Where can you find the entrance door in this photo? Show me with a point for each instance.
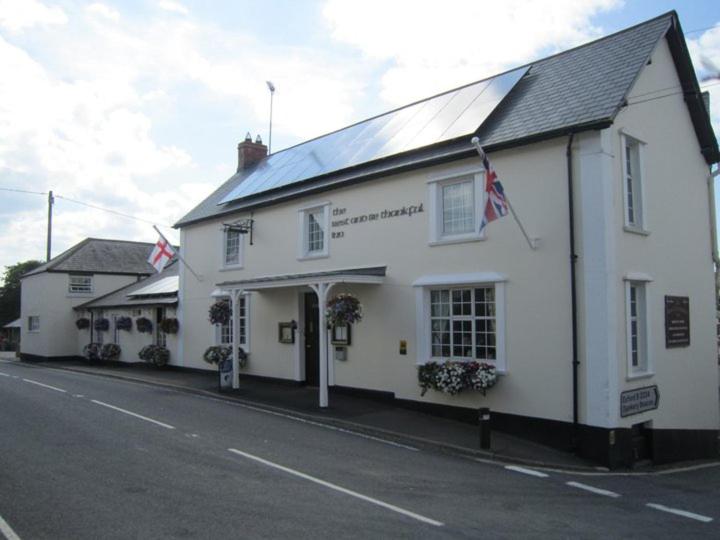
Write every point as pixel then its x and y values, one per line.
pixel 312 340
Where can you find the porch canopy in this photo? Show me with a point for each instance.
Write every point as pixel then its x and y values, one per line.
pixel 321 283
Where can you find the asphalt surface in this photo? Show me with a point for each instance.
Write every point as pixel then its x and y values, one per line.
pixel 83 456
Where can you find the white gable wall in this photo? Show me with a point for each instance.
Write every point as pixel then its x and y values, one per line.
pixel 676 254
pixel 46 295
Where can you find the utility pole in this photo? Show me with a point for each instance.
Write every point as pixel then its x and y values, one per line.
pixel 51 201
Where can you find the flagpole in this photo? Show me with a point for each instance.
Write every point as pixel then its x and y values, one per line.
pixel 531 242
pixel 177 254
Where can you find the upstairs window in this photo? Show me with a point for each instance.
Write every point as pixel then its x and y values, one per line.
pixel 232 247
pixel 456 201
pixel 80 284
pixel 633 183
pixel 314 227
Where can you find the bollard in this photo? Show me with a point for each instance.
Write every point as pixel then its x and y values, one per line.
pixel 484 424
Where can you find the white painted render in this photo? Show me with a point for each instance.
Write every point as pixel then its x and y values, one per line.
pixel 130 341
pixel 538 346
pixel 46 295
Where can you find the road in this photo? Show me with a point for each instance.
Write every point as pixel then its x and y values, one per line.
pixel 83 456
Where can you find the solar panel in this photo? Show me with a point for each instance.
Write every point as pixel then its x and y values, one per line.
pixel 437 119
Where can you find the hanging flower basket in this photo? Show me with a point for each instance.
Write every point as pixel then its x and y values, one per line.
pixel 220 353
pixel 110 352
pixel 83 323
pixel 343 309
pixel 144 325
pixel 155 354
pixel 123 323
pixel 101 324
pixel 219 312
pixel 92 351
pixel 170 325
pixel 452 377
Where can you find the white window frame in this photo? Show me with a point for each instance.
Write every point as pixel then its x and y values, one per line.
pixel 639 223
pixel 644 366
pixel 224 264
pixel 34 329
pixel 423 288
pixel 436 182
pixel 303 223
pixel 245 344
pixel 80 290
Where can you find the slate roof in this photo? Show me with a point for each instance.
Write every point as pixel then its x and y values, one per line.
pixel 98 256
pixel 579 89
pixel 122 297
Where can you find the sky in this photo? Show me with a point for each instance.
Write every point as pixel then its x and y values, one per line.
pixel 137 107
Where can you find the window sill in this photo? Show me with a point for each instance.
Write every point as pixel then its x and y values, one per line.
pixel 457 240
pixel 230 268
pixel 312 256
pixel 80 295
pixel 640 375
pixel 636 230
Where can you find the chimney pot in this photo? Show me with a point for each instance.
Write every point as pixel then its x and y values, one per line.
pixel 250 153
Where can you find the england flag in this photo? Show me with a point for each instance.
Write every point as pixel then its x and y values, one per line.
pixel 161 254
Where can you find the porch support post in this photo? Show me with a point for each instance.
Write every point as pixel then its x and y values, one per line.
pixel 322 290
pixel 235 321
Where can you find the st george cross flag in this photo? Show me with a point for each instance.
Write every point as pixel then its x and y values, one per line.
pixel 496 206
pixel 161 254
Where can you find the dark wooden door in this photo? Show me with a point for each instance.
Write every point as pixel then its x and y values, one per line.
pixel 312 340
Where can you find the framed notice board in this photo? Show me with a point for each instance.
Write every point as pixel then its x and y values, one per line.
pixel 677 321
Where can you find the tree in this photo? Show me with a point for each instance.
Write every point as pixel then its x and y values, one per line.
pixel 10 291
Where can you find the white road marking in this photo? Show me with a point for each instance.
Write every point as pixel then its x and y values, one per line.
pixel 523 470
pixel 678 512
pixel 45 385
pixel 4 374
pixel 340 489
pixel 7 530
pixel 592 489
pixel 141 417
pixel 78 395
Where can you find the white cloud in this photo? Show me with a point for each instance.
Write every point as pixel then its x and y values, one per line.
pixel 173 7
pixel 103 10
pixel 18 15
pixel 434 46
pixel 707 47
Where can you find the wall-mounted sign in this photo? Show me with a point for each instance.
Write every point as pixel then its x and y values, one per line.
pixel 677 321
pixel 639 400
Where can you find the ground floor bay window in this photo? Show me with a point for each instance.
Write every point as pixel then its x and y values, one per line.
pixel 461 317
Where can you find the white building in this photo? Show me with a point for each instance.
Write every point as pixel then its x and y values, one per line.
pixel 154 298
pixel 604 152
pixel 88 270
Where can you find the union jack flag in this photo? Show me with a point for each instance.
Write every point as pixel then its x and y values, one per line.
pixel 496 205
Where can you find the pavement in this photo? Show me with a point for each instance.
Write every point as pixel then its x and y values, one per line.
pixel 370 416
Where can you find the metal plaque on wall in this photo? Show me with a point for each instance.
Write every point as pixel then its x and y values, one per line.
pixel 639 400
pixel 677 321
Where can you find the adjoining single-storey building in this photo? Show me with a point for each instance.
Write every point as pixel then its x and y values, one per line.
pixel 88 270
pixel 603 332
pixel 10 336
pixel 154 299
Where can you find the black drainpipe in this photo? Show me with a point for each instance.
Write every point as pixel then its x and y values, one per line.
pixel 573 293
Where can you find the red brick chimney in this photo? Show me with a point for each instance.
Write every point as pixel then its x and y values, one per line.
pixel 249 152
